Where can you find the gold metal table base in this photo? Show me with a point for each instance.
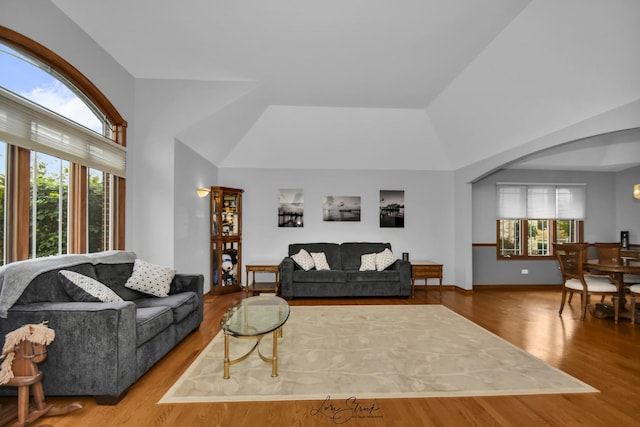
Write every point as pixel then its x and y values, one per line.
pixel 273 359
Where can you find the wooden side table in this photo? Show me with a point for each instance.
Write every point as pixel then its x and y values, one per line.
pixel 425 270
pixel 255 287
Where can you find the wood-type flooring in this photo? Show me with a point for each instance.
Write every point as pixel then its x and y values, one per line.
pixel 596 351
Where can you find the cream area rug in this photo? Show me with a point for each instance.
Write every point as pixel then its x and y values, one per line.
pixel 392 351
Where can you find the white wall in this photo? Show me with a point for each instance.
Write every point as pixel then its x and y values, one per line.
pixel 628 208
pixel 191 213
pixel 429 223
pixel 164 110
pixel 600 224
pixel 557 63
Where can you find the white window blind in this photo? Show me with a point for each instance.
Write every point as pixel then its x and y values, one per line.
pixel 512 201
pixel 33 127
pixel 541 201
pixel 571 202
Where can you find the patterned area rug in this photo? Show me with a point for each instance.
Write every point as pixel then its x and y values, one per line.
pixel 390 351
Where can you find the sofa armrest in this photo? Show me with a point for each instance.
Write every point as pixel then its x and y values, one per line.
pixel 94 350
pixel 286 277
pixel 187 282
pixel 193 283
pixel 404 270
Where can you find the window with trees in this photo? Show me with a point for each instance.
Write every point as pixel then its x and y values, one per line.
pixel 532 217
pixel 62 157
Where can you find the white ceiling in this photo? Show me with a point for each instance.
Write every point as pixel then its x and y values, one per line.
pixel 612 152
pixel 371 84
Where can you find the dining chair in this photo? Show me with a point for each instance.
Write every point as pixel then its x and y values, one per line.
pixel 634 291
pixel 608 252
pixel 631 279
pixel 571 257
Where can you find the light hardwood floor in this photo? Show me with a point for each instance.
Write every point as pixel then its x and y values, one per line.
pixel 598 352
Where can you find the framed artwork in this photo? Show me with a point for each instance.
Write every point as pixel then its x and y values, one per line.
pixel 341 208
pixel 290 207
pixel 392 208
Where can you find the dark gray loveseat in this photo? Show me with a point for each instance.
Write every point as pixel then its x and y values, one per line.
pixel 344 279
pixel 100 348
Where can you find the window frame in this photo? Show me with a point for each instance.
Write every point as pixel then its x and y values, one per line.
pixel 524 238
pixel 18 165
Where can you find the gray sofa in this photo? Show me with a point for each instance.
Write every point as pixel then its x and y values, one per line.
pixel 100 348
pixel 344 279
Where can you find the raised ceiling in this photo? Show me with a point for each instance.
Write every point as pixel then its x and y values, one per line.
pixel 378 84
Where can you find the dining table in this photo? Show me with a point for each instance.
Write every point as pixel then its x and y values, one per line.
pixel 616 269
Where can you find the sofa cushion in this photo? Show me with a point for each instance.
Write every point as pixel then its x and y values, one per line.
pixel 373 276
pixel 320 276
pixel 150 321
pixel 181 304
pixel 46 287
pixel 150 278
pixel 115 276
pixel 324 290
pixel 331 252
pixel 320 261
pixel 82 288
pixel 352 251
pixel 304 260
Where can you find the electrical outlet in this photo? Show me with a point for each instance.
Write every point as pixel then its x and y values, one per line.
pixel 524 271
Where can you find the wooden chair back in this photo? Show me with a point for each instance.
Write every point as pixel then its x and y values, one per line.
pixel 630 253
pixel 570 256
pixel 608 252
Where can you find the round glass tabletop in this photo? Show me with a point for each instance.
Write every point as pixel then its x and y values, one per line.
pixel 255 316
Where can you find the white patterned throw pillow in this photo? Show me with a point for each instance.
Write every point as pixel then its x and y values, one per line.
pixel 304 260
pixel 367 262
pixel 320 261
pixel 82 288
pixel 384 259
pixel 150 278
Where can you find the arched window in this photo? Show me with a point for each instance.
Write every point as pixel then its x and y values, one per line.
pixel 62 156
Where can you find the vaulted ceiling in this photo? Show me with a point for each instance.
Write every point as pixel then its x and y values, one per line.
pixel 378 84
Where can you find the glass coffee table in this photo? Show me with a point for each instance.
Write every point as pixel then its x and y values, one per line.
pixel 255 318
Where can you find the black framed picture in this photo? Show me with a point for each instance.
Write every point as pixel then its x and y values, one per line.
pixel 392 208
pixel 291 207
pixel 341 208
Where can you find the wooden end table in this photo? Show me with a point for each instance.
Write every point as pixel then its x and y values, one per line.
pixel 425 270
pixel 253 286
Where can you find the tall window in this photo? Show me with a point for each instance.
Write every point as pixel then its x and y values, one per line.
pixel 49 213
pixel 532 217
pixel 3 175
pixel 99 220
pixel 62 157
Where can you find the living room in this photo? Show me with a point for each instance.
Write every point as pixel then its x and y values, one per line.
pixel 169 159
pixel 512 95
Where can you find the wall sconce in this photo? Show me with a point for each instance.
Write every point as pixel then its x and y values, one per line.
pixel 636 191
pixel 203 192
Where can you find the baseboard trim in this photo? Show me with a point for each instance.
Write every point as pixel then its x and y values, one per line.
pixel 492 287
pixel 517 287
